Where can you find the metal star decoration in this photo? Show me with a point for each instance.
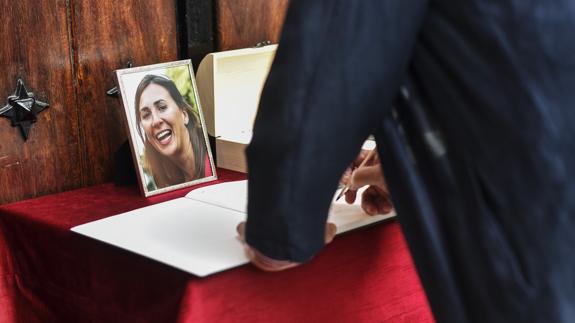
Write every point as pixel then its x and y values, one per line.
pixel 22 109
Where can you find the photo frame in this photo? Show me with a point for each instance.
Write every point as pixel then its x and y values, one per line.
pixel 166 126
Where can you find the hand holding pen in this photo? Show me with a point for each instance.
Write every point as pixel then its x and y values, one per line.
pixel 351 171
pixel 376 198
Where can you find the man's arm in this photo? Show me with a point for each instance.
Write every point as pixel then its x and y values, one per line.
pixel 337 69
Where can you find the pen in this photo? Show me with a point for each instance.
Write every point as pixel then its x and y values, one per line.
pixel 365 160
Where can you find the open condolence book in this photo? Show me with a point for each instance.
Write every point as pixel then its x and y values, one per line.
pixel 197 233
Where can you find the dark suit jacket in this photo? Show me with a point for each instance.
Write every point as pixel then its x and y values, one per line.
pixel 472 103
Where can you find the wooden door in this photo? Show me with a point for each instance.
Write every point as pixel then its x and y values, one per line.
pixel 66 52
pixel 36 49
pixel 108 34
pixel 243 23
pixel 219 25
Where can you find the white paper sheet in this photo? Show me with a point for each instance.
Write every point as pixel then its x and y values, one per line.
pixel 197 233
pixel 231 195
pixel 193 236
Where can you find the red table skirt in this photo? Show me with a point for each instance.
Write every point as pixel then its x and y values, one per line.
pixel 50 274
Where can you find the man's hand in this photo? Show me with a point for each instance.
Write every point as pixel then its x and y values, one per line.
pixel 268 264
pixel 376 198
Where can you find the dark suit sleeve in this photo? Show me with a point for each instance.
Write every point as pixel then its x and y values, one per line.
pixel 338 66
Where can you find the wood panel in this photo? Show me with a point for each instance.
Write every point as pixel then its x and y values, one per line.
pixel 243 23
pixel 35 48
pixel 108 34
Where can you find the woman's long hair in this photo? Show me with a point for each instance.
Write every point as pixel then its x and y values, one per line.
pixel 161 168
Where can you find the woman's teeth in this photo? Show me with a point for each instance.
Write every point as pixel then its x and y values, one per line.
pixel 163 134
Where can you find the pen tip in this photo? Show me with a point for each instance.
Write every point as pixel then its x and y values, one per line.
pixel 341 193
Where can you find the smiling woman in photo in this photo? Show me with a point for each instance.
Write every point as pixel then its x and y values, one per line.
pixel 174 146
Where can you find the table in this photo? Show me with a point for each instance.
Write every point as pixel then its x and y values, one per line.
pixel 50 274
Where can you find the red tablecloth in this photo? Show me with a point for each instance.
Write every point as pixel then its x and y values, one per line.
pixel 50 274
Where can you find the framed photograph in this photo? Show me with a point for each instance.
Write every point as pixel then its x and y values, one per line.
pixel 166 126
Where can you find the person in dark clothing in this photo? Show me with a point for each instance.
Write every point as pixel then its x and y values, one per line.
pixel 472 106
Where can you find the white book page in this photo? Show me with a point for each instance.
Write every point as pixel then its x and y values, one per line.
pixel 348 217
pixel 195 237
pixel 197 233
pixel 230 195
pixel 233 195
